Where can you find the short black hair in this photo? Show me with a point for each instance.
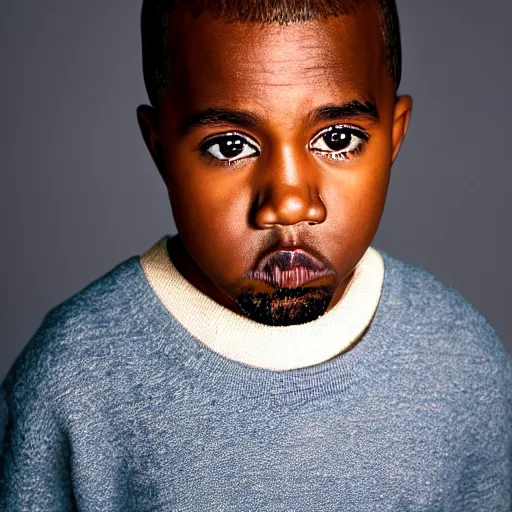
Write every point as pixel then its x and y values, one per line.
pixel 155 28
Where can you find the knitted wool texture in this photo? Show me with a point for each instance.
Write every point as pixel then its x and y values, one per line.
pixel 114 406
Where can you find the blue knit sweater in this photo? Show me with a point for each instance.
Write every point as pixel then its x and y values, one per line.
pixel 113 406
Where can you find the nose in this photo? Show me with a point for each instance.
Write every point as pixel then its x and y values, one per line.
pixel 288 192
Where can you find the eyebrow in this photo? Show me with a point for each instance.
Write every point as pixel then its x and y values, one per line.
pixel 218 116
pixel 351 109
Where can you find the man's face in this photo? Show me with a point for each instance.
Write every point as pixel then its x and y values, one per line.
pixel 275 143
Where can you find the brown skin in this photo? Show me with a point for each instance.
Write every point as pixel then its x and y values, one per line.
pixel 289 196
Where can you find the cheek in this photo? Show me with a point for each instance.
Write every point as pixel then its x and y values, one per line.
pixel 356 196
pixel 209 203
pixel 371 180
pixel 211 211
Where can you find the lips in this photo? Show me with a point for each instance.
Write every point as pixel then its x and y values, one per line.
pixel 289 269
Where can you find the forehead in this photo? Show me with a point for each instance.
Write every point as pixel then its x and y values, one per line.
pixel 216 61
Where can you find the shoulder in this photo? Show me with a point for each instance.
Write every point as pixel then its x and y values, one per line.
pixel 436 315
pixel 85 326
pixel 414 287
pixel 443 355
pixel 443 346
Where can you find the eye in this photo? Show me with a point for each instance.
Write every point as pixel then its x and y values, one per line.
pixel 339 142
pixel 229 147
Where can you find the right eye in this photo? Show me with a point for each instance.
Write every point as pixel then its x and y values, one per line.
pixel 229 147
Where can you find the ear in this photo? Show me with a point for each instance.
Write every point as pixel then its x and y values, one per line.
pixel 401 120
pixel 148 123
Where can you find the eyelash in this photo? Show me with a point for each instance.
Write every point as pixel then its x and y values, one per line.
pixel 340 155
pixel 209 142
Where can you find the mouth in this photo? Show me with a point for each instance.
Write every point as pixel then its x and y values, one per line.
pixel 289 269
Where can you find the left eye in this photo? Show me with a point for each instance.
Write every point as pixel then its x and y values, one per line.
pixel 230 147
pixel 339 141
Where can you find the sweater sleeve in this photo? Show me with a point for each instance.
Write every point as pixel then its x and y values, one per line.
pixel 34 452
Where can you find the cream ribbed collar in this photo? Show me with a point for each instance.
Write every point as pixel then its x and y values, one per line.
pixel 274 348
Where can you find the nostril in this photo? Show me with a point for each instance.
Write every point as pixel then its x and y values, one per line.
pixel 312 223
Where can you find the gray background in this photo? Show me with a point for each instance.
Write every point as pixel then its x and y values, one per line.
pixel 79 193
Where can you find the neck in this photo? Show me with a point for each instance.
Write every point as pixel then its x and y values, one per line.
pixel 276 348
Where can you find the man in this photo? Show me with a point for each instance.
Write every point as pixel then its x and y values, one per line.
pixel 266 357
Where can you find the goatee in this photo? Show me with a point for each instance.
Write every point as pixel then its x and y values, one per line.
pixel 285 306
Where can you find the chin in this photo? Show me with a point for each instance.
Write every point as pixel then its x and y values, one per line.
pixel 285 306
